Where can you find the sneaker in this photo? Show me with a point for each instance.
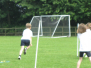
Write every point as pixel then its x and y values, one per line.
pixel 19 58
pixel 25 50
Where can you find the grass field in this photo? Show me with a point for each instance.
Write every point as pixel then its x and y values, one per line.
pixel 52 53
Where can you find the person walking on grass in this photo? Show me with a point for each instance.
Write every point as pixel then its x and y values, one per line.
pixel 26 39
pixel 85 39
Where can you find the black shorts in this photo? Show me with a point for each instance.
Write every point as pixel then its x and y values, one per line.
pixel 25 42
pixel 88 54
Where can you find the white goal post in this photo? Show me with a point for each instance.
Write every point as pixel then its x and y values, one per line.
pixel 78 44
pixel 51 25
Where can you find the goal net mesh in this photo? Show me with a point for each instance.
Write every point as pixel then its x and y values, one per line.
pixel 51 25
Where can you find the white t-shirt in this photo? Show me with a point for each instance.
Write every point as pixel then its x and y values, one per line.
pixel 89 31
pixel 27 33
pixel 85 40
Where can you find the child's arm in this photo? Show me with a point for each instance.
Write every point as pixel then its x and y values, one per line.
pixel 31 41
pixel 77 30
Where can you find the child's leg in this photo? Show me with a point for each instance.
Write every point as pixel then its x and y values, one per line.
pixel 25 49
pixel 22 48
pixel 28 47
pixel 89 59
pixel 79 62
pixel 89 55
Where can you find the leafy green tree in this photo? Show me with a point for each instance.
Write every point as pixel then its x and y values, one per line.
pixel 10 13
pixel 18 12
pixel 79 10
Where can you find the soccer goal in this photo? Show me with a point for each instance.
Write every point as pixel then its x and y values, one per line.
pixel 51 25
pixel 54 26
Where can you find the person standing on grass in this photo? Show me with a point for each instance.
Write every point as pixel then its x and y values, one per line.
pixel 85 39
pixel 88 29
pixel 26 39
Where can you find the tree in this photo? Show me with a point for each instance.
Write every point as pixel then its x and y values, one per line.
pixel 78 9
pixel 10 13
pixel 18 12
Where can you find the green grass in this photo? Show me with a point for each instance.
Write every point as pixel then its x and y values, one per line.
pixel 52 53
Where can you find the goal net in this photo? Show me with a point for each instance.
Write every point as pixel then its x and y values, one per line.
pixel 51 25
pixel 54 26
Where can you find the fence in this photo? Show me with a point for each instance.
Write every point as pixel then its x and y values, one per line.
pixel 18 31
pixel 11 31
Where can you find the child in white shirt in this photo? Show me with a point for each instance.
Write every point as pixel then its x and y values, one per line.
pixel 26 39
pixel 84 43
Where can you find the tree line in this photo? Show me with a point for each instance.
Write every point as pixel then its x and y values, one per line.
pixel 15 13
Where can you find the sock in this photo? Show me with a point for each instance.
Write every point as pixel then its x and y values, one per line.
pixel 26 48
pixel 20 55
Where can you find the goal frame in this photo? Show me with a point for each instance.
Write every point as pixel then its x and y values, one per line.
pixel 52 36
pixel 40 26
pixel 78 44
